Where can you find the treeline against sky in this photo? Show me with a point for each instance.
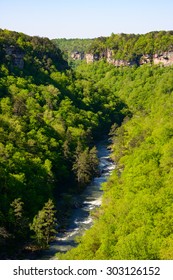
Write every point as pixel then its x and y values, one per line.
pixel 129 47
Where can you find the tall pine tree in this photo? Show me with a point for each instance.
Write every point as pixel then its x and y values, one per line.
pixel 44 225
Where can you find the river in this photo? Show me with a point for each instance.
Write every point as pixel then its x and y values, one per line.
pixel 81 218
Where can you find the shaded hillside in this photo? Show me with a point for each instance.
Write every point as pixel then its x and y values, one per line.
pixel 29 54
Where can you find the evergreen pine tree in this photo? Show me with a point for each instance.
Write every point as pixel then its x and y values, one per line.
pixel 44 225
pixel 93 159
pixel 17 221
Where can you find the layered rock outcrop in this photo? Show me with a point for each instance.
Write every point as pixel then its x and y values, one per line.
pixel 77 55
pixel 16 55
pixel 165 58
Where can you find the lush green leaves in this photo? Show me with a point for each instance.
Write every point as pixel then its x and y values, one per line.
pixel 135 220
pixel 44 224
pixel 49 121
pixel 44 114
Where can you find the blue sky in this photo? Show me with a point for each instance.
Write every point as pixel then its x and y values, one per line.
pixel 85 18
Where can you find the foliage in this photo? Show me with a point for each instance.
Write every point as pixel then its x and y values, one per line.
pixel 85 165
pixel 17 219
pixel 46 109
pixel 72 45
pixel 44 224
pixel 69 46
pixel 129 47
pixel 135 220
pixel 50 118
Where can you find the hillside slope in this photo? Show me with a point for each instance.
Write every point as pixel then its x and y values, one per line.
pixel 135 220
pixel 49 120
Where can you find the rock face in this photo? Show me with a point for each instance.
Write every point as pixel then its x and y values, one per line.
pixel 16 55
pixel 165 58
pixel 77 55
pixel 18 60
pixel 89 57
pixel 146 58
pixel 116 62
pixel 92 57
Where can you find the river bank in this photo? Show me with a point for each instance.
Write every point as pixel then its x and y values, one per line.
pixel 81 218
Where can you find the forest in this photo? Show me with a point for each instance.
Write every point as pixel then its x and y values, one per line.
pixel 135 220
pixel 129 47
pixel 51 117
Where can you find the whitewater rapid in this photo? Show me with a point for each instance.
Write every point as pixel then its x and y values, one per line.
pixel 81 218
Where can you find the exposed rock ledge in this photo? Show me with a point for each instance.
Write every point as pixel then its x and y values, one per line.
pixel 165 58
pixel 16 55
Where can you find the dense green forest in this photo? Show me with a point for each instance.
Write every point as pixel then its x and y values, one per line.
pixel 51 117
pixel 135 220
pixel 67 46
pixel 129 47
pixel 70 47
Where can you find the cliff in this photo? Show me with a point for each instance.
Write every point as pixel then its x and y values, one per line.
pixel 126 49
pixel 164 58
pixel 15 55
pixel 19 51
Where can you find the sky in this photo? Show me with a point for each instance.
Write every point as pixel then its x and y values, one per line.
pixel 85 18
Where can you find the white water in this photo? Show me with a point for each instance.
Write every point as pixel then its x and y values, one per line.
pixel 81 218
